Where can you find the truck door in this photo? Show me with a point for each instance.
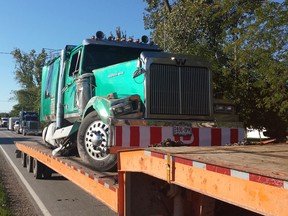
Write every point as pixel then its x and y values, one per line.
pixel 69 90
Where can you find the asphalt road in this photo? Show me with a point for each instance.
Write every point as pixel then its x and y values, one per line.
pixel 56 196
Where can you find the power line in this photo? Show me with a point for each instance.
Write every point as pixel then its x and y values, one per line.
pixel 5 53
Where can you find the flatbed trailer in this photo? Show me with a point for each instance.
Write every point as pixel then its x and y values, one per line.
pixel 183 180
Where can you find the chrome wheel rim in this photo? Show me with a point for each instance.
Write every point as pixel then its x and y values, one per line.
pixel 96 140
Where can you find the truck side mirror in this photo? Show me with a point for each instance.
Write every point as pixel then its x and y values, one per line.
pixel 139 70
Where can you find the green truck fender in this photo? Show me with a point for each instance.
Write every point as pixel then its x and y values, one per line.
pixel 101 105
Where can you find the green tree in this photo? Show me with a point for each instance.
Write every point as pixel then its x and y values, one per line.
pixel 260 70
pixel 246 43
pixel 28 74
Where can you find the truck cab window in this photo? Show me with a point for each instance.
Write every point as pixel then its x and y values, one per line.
pixel 48 81
pixel 98 56
pixel 74 65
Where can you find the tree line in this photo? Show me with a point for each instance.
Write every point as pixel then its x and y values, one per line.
pixel 245 42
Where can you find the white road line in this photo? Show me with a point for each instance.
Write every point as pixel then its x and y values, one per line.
pixel 29 188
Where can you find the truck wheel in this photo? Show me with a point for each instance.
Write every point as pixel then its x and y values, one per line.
pixel 37 169
pixel 92 143
pixel 29 163
pixel 47 172
pixel 23 159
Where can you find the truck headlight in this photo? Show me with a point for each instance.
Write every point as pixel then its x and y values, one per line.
pixel 127 108
pixel 117 110
pixel 121 108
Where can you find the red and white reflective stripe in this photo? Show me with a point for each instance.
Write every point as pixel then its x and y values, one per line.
pixel 142 136
pixel 223 170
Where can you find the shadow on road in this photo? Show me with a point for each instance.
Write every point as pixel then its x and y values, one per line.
pixel 11 140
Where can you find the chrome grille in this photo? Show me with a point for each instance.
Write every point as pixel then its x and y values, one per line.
pixel 178 90
pixel 33 125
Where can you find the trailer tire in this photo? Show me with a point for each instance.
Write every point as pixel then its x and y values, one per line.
pixel 37 169
pixel 29 163
pixel 23 159
pixel 92 141
pixel 47 172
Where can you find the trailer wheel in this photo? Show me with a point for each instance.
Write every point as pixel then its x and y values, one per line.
pixel 92 143
pixel 23 159
pixel 29 163
pixel 37 169
pixel 47 172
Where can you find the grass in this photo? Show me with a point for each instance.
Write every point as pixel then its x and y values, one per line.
pixel 4 209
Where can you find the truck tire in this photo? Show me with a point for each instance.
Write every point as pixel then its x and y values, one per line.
pixel 29 163
pixel 37 169
pixel 92 141
pixel 23 159
pixel 47 172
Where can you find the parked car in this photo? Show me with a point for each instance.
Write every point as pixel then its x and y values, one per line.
pixel 11 122
pixel 16 127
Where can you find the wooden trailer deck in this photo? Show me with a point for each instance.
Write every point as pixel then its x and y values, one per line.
pixel 254 177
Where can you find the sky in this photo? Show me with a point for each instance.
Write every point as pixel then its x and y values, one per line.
pixel 37 24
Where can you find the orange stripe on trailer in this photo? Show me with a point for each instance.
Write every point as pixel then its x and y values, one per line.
pixel 257 197
pixel 255 192
pixel 87 179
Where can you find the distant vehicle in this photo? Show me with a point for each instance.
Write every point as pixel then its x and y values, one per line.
pixel 16 127
pixel 254 134
pixel 4 122
pixel 11 123
pixel 29 123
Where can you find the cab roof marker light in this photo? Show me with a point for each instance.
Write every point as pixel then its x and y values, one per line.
pixel 99 35
pixel 144 39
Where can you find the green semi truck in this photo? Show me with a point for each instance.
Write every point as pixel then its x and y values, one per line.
pixel 109 94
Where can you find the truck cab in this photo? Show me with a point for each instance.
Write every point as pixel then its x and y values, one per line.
pixel 4 122
pixel 108 93
pixel 29 123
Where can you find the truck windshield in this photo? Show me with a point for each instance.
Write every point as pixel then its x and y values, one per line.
pixel 31 118
pixel 98 56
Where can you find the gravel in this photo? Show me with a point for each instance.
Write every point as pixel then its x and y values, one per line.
pixel 19 201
